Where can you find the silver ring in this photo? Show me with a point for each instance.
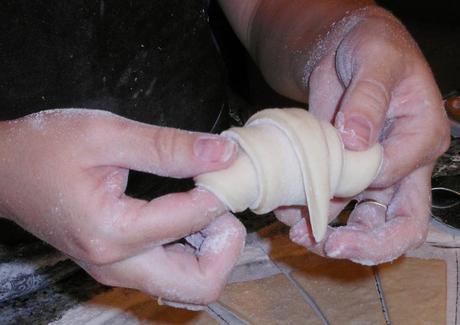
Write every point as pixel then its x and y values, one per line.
pixel 371 201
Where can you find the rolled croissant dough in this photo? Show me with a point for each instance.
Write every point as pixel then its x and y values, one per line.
pixel 288 157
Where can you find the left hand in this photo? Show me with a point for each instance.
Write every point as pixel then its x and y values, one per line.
pixel 64 176
pixel 376 86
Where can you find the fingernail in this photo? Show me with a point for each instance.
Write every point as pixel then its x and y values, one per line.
pixel 357 132
pixel 214 149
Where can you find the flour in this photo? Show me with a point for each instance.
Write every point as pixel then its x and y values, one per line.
pixel 22 275
pixel 218 243
pixel 16 268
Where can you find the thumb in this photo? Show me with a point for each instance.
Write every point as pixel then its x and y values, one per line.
pixel 363 110
pixel 160 150
pixel 369 63
pixel 369 67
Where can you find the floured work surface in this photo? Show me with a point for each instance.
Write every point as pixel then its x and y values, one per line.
pixel 275 281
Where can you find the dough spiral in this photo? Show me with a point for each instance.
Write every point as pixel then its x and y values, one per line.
pixel 288 157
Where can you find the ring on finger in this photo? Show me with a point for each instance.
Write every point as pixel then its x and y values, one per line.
pixel 374 202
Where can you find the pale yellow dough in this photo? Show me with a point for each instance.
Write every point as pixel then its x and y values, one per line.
pixel 288 157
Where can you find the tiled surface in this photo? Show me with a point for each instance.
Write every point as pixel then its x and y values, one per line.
pixel 415 290
pixel 125 306
pixel 269 301
pixel 278 282
pixel 345 292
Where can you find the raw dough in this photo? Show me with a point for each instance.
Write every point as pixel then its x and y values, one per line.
pixel 288 157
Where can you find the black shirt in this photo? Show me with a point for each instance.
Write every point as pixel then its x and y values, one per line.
pixel 152 61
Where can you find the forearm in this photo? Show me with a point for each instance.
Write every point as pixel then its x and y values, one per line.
pixel 287 38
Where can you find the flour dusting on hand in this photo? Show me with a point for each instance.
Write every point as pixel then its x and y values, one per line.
pixel 217 243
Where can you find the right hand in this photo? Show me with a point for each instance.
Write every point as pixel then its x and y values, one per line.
pixel 64 175
pixel 377 86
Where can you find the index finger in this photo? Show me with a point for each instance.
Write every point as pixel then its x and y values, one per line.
pixel 128 226
pixel 120 142
pixel 180 275
pixel 405 227
pixel 416 131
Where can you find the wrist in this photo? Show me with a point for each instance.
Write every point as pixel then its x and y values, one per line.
pixel 288 41
pixel 329 40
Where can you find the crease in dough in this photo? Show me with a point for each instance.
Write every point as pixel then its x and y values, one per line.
pixel 288 157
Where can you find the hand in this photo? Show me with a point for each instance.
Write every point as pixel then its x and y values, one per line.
pixel 64 175
pixel 376 86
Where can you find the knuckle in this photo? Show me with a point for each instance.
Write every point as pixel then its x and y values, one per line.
pixel 212 292
pixel 95 251
pixel 91 124
pixel 210 286
pixel 420 237
pixel 374 94
pixel 165 143
pixel 444 144
pixel 101 276
pixel 381 44
pixel 382 48
pixel 441 133
pixel 240 229
pixel 445 137
pixel 98 126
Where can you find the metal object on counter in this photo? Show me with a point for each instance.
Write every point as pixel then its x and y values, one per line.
pixel 446 201
pixel 452 107
pixel 445 192
pixel 445 198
